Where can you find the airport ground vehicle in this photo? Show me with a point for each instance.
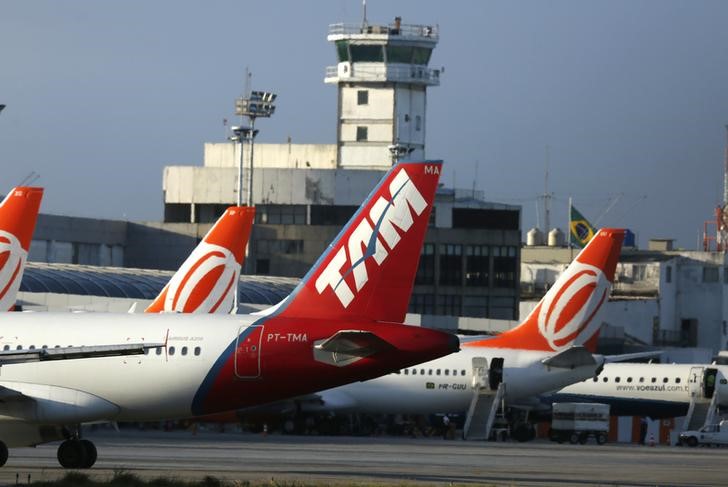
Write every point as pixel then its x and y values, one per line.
pixel 575 422
pixel 711 434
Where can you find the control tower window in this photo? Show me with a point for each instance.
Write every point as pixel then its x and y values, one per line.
pixel 362 134
pixel 342 51
pixel 421 56
pixel 399 54
pixel 366 54
pixel 362 97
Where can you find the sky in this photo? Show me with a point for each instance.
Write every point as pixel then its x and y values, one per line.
pixel 625 102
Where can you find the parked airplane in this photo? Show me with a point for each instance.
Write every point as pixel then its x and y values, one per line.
pixel 18 213
pixel 207 281
pixel 341 324
pixel 654 390
pixel 542 354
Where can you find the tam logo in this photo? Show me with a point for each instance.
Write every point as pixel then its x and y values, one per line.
pixel 12 260
pixel 569 312
pixel 205 282
pixel 387 216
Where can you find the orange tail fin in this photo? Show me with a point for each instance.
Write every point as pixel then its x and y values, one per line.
pixel 18 214
pixel 206 281
pixel 566 315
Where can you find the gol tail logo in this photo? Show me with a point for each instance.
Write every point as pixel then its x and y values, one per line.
pixel 569 311
pixel 205 282
pixel 12 261
pixel 386 215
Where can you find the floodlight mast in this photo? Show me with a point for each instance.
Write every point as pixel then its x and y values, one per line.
pixel 258 104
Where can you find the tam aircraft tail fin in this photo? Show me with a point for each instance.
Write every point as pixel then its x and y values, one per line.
pixel 566 315
pixel 368 270
pixel 18 214
pixel 206 281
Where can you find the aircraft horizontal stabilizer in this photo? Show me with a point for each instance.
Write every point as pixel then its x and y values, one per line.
pixel 571 358
pixel 9 357
pixel 347 346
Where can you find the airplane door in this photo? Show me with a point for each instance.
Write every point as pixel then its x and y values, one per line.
pixel 709 382
pixel 247 352
pixel 696 381
pixel 495 374
pixel 480 372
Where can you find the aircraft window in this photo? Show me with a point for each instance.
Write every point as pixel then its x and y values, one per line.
pixel 422 371
pixel 414 371
pixel 406 371
pixel 677 380
pixel 429 372
pixel 664 380
pixel 438 372
pixel 57 346
pixel 32 347
pixel 44 347
pixel 724 381
pixel 642 379
pixel 606 379
pixel 596 379
pixel 184 350
pixel 171 350
pixel 197 351
pixel 454 372
pixel 159 351
pixel 447 371
pixel 629 379
pixel 617 379
pixel 654 379
pixel 19 347
pixel 6 347
pixel 146 351
pixel 462 372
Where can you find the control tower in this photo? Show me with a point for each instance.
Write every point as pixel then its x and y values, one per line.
pixel 382 77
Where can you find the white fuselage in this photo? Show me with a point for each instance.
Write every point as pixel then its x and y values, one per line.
pixel 446 385
pixel 158 385
pixel 647 389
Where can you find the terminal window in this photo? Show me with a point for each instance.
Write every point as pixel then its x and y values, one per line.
pixel 477 265
pixel 426 269
pixel 451 264
pixel 362 97
pixel 362 134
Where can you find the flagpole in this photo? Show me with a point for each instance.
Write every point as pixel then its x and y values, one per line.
pixel 571 249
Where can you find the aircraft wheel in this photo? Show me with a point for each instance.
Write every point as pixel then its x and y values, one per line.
pixel 3 453
pixel 692 441
pixel 72 454
pixel 91 453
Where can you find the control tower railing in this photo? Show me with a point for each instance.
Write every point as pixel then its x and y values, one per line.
pixel 404 30
pixel 383 72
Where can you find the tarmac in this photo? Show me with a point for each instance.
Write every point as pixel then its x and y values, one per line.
pixel 379 460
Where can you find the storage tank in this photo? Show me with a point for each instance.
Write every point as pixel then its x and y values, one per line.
pixel 556 238
pixel 534 237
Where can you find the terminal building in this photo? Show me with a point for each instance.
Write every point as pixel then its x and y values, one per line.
pixel 304 193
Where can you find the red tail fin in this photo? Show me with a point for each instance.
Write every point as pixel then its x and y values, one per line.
pixel 566 315
pixel 18 213
pixel 369 269
pixel 205 283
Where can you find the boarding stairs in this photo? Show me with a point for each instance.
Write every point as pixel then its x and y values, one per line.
pixel 700 412
pixel 483 410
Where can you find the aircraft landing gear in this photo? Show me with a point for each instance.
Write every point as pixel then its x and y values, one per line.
pixel 75 453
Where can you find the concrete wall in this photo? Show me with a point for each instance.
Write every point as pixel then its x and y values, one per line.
pixel 291 156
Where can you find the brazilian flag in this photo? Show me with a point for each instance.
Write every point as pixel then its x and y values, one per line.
pixel 581 229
